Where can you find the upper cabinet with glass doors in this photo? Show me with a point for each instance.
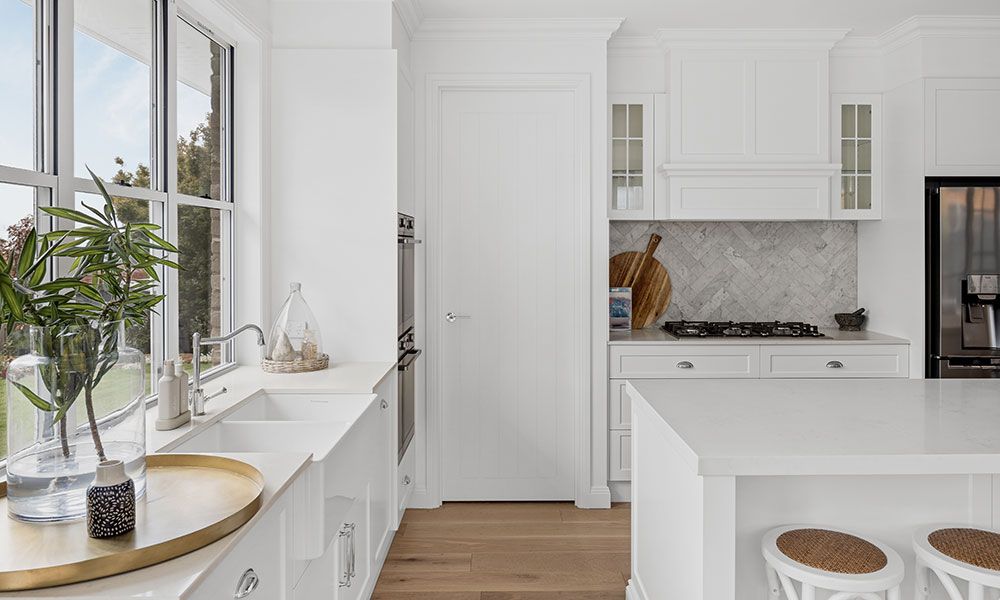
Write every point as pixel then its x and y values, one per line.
pixel 635 143
pixel 857 121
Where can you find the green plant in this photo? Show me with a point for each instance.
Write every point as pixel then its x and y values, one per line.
pixel 112 278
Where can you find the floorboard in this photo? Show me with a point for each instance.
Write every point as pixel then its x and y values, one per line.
pixel 508 551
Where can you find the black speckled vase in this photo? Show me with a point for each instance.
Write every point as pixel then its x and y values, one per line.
pixel 110 501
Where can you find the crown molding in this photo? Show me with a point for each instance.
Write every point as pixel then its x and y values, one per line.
pixel 742 38
pixel 917 28
pixel 633 46
pixel 481 30
pixel 410 14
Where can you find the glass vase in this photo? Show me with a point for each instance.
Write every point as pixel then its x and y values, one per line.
pixel 295 335
pixel 75 399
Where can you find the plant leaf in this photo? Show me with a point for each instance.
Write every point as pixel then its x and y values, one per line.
pixel 34 398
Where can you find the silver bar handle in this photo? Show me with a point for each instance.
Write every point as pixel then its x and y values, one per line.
pixel 834 364
pixel 411 357
pixel 685 364
pixel 408 241
pixel 343 537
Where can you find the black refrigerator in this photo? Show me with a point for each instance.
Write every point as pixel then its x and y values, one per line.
pixel 963 278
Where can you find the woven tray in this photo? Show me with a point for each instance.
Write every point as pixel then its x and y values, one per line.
pixel 297 366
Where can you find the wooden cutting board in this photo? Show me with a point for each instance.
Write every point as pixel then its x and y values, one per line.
pixel 648 279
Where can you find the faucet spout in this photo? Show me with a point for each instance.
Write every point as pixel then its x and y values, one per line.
pixel 198 397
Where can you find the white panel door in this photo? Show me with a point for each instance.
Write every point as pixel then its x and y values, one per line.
pixel 509 264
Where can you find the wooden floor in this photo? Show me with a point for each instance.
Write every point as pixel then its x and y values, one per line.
pixel 508 551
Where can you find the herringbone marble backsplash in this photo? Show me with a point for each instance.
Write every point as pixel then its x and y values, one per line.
pixel 720 271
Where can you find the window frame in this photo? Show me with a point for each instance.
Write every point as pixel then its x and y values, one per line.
pixel 55 181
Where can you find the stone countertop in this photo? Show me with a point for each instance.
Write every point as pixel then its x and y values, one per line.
pixel 656 335
pixel 828 427
pixel 177 578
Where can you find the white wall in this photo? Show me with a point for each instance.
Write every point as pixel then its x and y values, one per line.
pixel 531 55
pixel 333 155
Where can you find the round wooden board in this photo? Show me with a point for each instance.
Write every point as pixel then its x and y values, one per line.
pixel 650 291
pixel 191 501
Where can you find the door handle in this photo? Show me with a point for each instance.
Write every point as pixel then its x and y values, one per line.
pixel 411 358
pixel 452 317
pixel 834 364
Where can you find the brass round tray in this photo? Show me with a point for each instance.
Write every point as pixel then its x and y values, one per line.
pixel 191 501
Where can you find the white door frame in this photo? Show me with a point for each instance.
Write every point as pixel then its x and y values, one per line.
pixel 436 86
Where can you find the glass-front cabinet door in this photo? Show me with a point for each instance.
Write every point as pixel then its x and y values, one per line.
pixel 857 135
pixel 631 156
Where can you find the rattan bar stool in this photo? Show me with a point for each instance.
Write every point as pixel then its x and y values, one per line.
pixel 827 558
pixel 958 552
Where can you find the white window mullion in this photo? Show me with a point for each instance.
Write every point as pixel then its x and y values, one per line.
pixel 168 94
pixel 62 102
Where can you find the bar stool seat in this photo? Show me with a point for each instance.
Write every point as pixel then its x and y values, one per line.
pixel 961 552
pixel 828 558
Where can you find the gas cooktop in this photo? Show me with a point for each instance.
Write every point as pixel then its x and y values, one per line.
pixel 733 329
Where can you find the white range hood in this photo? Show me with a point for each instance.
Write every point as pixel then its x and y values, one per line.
pixel 750 123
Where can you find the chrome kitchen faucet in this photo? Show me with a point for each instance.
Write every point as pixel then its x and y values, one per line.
pixel 198 397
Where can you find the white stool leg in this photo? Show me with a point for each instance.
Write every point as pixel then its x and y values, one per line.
pixel 809 592
pixel 893 594
pixel 773 586
pixel 921 585
pixel 976 591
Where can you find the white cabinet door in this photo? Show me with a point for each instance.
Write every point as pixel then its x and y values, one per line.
pixel 260 563
pixel 382 459
pixel 511 277
pixel 342 572
pixel 963 127
pixel 856 128
pixel 620 406
pixel 620 453
pixel 405 480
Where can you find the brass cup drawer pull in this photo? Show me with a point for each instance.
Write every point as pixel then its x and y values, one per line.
pixel 249 582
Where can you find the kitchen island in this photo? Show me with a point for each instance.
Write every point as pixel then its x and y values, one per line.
pixel 717 463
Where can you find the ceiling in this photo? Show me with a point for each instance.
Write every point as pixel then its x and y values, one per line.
pixel 643 17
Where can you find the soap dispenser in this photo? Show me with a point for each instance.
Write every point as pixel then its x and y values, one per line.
pixel 169 411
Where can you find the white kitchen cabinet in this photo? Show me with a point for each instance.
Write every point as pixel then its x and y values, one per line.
pixel 259 564
pixel 637 124
pixel 383 456
pixel 681 361
pixel 856 129
pixel 962 127
pixel 839 361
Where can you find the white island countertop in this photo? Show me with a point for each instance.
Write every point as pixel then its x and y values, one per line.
pixel 829 427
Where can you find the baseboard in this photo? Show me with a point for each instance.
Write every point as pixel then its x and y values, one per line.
pixel 621 491
pixel 420 498
pixel 599 497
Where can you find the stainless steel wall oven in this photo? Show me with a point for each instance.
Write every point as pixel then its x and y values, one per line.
pixel 407 352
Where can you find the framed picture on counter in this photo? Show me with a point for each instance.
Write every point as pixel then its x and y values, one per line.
pixel 620 307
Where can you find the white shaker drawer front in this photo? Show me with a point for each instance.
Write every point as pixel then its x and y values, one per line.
pixel 835 361
pixel 620 416
pixel 620 454
pixel 684 362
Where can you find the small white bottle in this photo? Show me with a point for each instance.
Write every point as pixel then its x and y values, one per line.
pixel 168 406
pixel 182 386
